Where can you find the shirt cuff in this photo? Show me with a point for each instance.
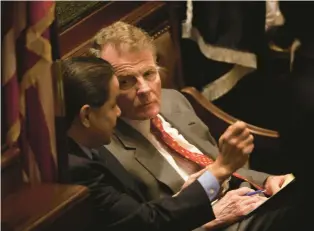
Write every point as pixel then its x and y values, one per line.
pixel 210 185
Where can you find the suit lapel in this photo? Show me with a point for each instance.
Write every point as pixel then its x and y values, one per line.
pixel 188 125
pixel 111 164
pixel 115 167
pixel 148 156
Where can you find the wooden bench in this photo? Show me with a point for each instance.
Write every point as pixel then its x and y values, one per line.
pixel 39 206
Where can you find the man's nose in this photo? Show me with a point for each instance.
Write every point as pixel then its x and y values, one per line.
pixel 118 111
pixel 142 87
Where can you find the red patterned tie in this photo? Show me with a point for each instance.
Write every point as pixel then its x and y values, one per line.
pixel 202 160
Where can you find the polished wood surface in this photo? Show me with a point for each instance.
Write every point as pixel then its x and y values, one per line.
pixel 39 206
pixel 44 206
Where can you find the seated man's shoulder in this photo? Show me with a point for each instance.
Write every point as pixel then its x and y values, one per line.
pixel 171 97
pixel 75 160
pixel 84 164
pixel 168 93
pixel 80 168
pixel 116 145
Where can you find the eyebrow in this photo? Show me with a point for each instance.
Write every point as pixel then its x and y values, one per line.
pixel 150 68
pixel 126 73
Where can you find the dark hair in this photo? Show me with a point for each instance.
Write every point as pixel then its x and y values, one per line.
pixel 86 81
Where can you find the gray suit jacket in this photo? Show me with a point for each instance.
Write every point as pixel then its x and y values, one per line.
pixel 144 162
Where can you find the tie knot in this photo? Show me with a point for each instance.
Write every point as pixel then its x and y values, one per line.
pixel 156 122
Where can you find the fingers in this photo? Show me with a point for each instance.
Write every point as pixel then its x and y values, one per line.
pixel 272 189
pixel 235 132
pixel 284 179
pixel 248 200
pixel 236 129
pixel 243 135
pixel 244 143
pixel 241 191
pixel 247 145
pixel 249 206
pixel 235 145
pixel 273 184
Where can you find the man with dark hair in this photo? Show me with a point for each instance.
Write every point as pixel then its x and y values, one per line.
pixel 86 81
pixel 119 203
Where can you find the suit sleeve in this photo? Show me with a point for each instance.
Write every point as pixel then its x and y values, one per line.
pixel 116 210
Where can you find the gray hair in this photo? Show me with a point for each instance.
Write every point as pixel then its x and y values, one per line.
pixel 122 36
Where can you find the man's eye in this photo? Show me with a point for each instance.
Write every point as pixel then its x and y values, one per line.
pixel 150 74
pixel 122 82
pixel 126 83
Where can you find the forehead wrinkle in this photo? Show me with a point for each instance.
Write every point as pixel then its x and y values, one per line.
pixel 125 69
pixel 130 70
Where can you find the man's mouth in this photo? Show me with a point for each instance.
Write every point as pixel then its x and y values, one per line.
pixel 146 104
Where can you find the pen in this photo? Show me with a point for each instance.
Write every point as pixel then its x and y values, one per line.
pixel 255 192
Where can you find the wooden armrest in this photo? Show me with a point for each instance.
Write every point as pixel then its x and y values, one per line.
pixel 43 206
pixel 191 92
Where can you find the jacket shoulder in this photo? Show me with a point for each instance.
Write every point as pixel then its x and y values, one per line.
pixel 172 98
pixel 168 93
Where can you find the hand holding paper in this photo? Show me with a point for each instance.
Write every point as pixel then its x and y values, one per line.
pixel 276 183
pixel 287 179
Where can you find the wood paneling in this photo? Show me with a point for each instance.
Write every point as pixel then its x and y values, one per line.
pixel 151 16
pixel 72 38
pixel 70 12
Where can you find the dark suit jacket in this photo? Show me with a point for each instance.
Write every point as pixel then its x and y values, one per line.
pixel 145 163
pixel 118 201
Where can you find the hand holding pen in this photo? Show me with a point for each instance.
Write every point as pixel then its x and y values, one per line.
pixel 255 192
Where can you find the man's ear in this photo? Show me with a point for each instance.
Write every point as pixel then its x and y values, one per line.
pixel 85 115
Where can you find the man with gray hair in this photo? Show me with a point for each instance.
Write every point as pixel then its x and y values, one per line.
pixel 159 139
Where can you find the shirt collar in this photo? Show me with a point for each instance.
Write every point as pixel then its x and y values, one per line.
pixel 88 151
